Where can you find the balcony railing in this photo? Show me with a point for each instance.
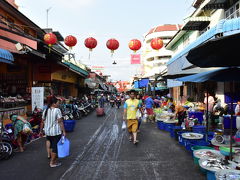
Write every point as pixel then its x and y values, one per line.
pixel 233 15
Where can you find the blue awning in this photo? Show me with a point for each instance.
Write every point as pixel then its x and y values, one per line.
pixel 6 56
pixel 219 75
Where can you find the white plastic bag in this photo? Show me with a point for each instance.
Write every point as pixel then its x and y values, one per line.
pixel 27 129
pixel 124 125
pixel 138 114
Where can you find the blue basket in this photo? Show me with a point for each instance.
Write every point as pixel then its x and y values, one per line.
pixel 172 131
pixel 69 125
pixel 198 115
pixel 199 129
pixel 168 127
pixel 181 140
pixel 197 143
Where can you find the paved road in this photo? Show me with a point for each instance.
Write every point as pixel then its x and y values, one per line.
pixel 100 150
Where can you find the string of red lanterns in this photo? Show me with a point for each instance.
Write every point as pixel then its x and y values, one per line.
pixel 91 43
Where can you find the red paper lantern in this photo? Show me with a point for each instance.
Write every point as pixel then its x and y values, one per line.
pixel 50 39
pixel 112 44
pixel 70 41
pixel 90 43
pixel 135 45
pixel 156 43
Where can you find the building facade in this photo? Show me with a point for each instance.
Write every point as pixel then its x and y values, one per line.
pixel 210 20
pixel 154 62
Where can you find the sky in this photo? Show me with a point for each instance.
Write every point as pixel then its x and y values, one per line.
pixel 105 19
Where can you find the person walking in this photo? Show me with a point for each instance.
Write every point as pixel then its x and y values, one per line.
pixel 53 128
pixel 149 108
pixel 130 110
pixel 210 101
pixel 139 97
pixel 101 101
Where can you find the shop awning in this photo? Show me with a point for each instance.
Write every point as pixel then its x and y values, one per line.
pixel 158 88
pixel 77 69
pixel 215 4
pixel 220 52
pixel 219 75
pixel 187 72
pixel 196 23
pixel 6 56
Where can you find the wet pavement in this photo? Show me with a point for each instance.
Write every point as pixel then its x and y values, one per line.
pixel 100 150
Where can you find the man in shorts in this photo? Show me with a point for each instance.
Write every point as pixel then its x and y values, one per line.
pixel 130 110
pixel 149 108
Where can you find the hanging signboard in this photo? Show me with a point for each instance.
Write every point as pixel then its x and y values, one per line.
pixel 37 97
pixel 135 59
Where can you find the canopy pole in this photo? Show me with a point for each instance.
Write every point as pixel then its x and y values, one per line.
pixel 207 116
pixel 231 120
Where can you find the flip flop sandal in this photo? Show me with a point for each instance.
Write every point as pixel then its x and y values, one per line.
pixel 136 142
pixel 55 165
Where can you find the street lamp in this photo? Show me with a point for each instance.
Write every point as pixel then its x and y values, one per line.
pixel 47 10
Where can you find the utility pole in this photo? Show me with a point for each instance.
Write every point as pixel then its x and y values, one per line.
pixel 47 10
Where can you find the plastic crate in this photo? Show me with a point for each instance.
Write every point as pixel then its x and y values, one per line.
pixel 69 125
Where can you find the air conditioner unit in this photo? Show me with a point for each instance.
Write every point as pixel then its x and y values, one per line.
pixel 19 46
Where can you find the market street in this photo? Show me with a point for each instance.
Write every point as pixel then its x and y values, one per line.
pixel 100 150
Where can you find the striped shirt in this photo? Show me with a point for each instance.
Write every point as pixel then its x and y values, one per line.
pixel 51 125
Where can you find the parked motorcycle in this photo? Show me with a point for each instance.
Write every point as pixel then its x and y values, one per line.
pixel 5 143
pixel 112 102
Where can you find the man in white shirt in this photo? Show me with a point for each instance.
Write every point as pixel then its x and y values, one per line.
pixel 210 106
pixel 237 109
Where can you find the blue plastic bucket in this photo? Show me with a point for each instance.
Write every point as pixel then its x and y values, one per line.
pixel 69 125
pixel 227 120
pixel 211 175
